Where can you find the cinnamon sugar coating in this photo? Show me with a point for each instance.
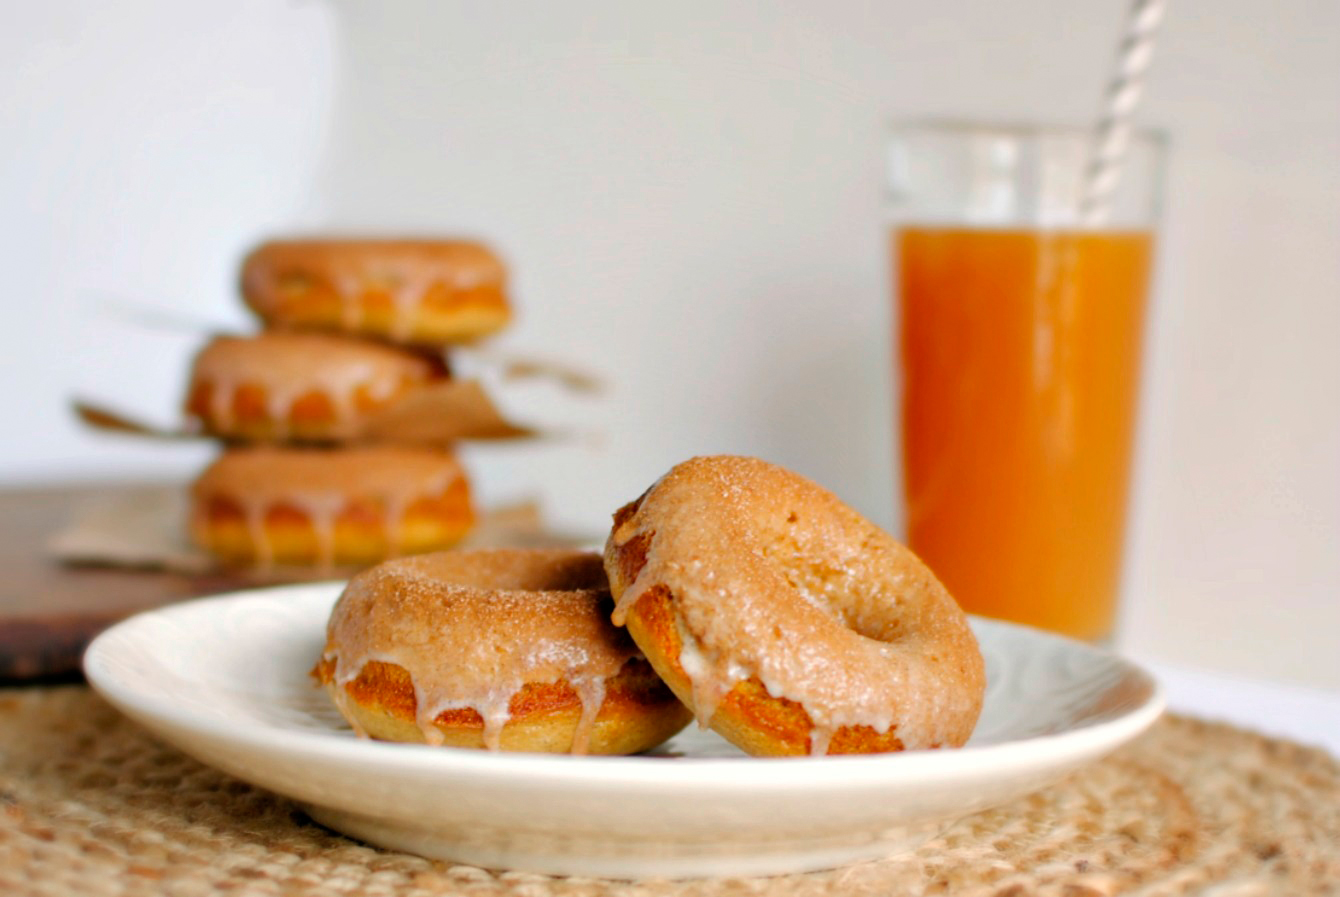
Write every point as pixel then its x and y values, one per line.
pixel 781 593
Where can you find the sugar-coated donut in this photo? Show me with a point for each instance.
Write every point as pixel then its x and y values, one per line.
pixel 304 506
pixel 429 292
pixel 785 620
pixel 506 649
pixel 280 386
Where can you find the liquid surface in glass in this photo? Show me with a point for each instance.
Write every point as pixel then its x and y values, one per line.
pixel 1020 363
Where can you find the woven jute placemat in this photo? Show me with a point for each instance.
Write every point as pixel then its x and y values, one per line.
pixel 92 805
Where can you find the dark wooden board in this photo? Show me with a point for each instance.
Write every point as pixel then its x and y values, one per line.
pixel 48 612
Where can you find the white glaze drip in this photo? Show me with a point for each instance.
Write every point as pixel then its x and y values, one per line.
pixel 472 647
pixel 395 506
pixel 404 270
pixel 322 509
pixel 290 366
pixel 321 485
pixel 405 284
pixel 591 691
pixel 710 679
pixel 253 512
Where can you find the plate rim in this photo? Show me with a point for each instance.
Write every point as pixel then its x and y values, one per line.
pixel 738 774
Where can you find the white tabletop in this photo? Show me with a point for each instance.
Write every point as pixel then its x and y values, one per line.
pixel 1309 716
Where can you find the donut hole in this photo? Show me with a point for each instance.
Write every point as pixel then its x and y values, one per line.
pixel 846 590
pixel 509 574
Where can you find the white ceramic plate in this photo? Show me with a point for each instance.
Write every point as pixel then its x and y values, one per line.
pixel 226 680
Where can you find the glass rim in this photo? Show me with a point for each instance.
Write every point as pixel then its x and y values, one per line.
pixel 1153 136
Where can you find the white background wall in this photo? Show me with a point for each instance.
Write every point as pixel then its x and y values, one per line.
pixel 689 195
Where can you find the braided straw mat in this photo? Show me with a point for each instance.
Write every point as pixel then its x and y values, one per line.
pixel 91 805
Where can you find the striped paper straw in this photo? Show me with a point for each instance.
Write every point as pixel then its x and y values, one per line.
pixel 1112 136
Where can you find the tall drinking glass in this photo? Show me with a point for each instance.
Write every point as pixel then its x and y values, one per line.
pixel 1021 308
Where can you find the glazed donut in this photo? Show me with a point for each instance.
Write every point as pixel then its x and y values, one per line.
pixel 506 650
pixel 785 620
pixel 282 386
pixel 316 507
pixel 428 292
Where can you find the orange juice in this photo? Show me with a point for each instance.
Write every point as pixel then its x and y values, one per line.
pixel 1021 361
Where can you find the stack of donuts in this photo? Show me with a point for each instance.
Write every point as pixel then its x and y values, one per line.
pixel 350 328
pixel 732 590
